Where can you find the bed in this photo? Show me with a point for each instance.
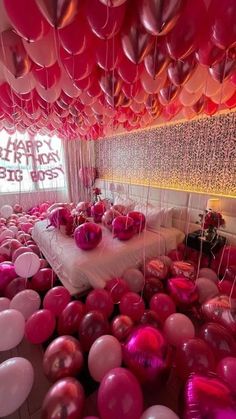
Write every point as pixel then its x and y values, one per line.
pixel 80 270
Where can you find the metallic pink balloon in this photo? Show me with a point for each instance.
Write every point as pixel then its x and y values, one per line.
pixel 162 305
pixel 226 369
pixel 156 268
pixel 121 327
pixel 65 399
pixel 219 339
pixel 183 291
pixel 181 268
pixel 63 358
pixel 7 274
pixel 108 217
pixel 100 300
pixel 87 236
pixel 97 211
pixel 59 216
pixel 56 300
pixel 123 227
pixel 221 310
pixel 117 287
pixel 139 220
pixel 208 397
pixel 132 305
pixel 145 353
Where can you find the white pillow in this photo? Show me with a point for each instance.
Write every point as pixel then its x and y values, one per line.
pixel 153 215
pixel 167 214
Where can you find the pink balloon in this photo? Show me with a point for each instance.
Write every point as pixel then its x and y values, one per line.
pixel 108 218
pixel 117 287
pixel 100 300
pixel 7 274
pixel 15 286
pixel 16 381
pixel 105 25
pixel 178 328
pixel 134 279
pixel 183 269
pixel 123 227
pixel 183 291
pixel 120 395
pixel 159 412
pixel 206 289
pixel 208 273
pixel 4 303
pixel 27 302
pixel 12 327
pixel 13 55
pixel 56 300
pixel 163 305
pixel 40 326
pixel 156 268
pixel 104 355
pixel 43 51
pixel 132 305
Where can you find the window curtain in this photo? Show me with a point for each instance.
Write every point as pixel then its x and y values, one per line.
pixel 78 154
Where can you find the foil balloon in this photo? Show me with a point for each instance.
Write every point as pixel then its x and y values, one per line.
pixel 87 236
pixel 59 216
pixel 183 291
pixel 63 358
pixel 121 327
pixel 92 326
pixel 226 369
pixel 208 396
pixel 221 310
pixel 156 268
pixel 97 211
pixel 145 353
pixel 57 14
pixel 123 227
pixel 219 339
pixel 181 268
pixel 108 218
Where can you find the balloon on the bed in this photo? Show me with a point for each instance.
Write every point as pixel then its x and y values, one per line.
pixel 97 211
pixel 108 217
pixel 87 236
pixel 59 217
pixel 6 211
pixel 139 220
pixel 123 227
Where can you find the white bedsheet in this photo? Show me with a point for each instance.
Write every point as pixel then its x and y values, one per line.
pixel 79 270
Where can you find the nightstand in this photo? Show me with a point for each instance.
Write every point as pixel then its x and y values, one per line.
pixel 209 248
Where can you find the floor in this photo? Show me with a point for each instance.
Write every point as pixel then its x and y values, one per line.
pixel 31 409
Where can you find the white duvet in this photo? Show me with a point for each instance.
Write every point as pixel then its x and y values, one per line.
pixel 79 270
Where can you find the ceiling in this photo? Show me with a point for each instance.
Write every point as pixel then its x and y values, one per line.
pixel 85 68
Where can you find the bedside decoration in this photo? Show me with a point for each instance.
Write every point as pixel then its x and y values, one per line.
pixel 96 194
pixel 210 222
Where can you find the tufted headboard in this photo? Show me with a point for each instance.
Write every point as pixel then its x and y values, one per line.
pixel 187 205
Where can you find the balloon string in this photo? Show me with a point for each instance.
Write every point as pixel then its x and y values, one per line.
pixel 231 292
pixel 107 17
pixel 154 58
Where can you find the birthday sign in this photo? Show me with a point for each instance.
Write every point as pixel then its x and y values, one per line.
pixel 37 158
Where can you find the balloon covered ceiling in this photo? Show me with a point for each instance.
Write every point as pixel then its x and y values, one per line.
pixel 79 68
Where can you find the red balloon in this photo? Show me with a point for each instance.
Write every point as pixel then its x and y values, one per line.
pixel 56 300
pixel 168 93
pixel 223 15
pixel 47 76
pixel 18 12
pixel 70 318
pixel 63 358
pixel 157 60
pixel 128 71
pixel 105 22
pixel 139 220
pixel 59 216
pixel 183 38
pixel 108 53
pixel 123 227
pixel 117 287
pixel 132 305
pixel 136 42
pixel 58 15
pixel 150 318
pixel 100 300
pixel 207 395
pixel 219 339
pixel 159 18
pixel 222 310
pixel 97 211
pixel 184 269
pixel 108 217
pixel 87 236
pixel 210 108
pixel 110 84
pixel 145 353
pixel 223 68
pixel 121 327
pixel 15 286
pixel 226 369
pixel 194 355
pixel 231 103
pixel 181 70
pixel 156 268
pixel 64 399
pixel 43 280
pixel 120 395
pixel 183 291
pixel 208 53
pixel 92 326
pixel 162 305
pixel 113 3
pixel 75 37
pixel 78 66
pixel 152 286
pixel 13 54
pixel 40 326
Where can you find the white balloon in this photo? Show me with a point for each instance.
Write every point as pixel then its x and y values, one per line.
pixel 4 303
pixel 14 230
pixel 27 264
pixel 16 381
pixel 27 302
pixel 159 412
pixel 6 211
pixel 12 329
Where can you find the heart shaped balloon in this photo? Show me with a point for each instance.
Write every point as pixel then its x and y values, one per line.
pixel 222 310
pixel 181 268
pixel 208 397
pixel 183 291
